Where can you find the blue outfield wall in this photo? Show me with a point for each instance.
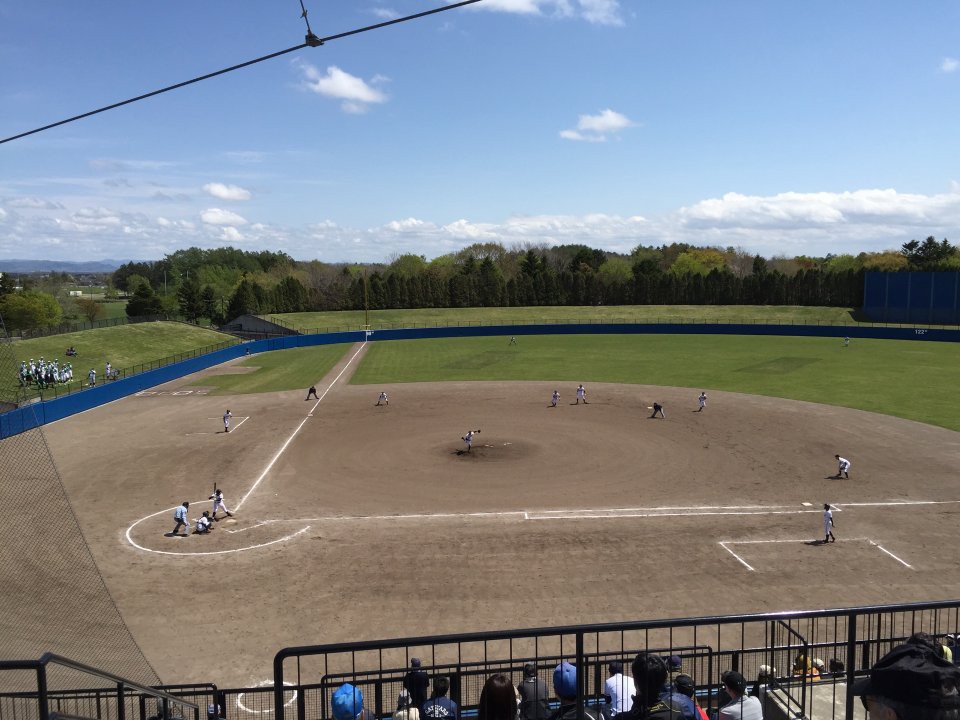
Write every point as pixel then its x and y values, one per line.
pixel 40 413
pixel 912 297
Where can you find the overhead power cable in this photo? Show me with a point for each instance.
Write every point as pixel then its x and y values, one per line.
pixel 310 41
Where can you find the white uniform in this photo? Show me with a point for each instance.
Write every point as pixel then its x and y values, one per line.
pixel 703 400
pixel 203 524
pixel 468 439
pixel 218 504
pixel 843 466
pixel 555 398
pixel 581 394
pixel 827 521
pixel 226 420
pixel 383 399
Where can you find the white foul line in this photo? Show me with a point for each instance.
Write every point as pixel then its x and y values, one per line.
pixel 883 549
pixel 292 436
pixel 739 559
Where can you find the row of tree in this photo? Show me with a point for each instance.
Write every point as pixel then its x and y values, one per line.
pixel 223 283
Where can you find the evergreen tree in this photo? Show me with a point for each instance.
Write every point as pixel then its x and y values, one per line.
pixel 243 301
pixel 208 304
pixel 144 302
pixel 188 298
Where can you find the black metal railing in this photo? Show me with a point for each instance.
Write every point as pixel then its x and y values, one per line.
pixel 64 328
pixel 853 638
pixel 115 698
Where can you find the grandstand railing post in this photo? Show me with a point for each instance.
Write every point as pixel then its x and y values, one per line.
pixel 43 710
pixel 378 696
pixel 580 663
pixel 143 706
pixel 278 687
pixel 851 659
pixel 121 703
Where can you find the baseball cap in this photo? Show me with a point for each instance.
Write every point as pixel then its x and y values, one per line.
pixel 735 681
pixel 685 685
pixel 415 662
pixel 913 675
pixel 529 670
pixel 565 680
pixel 347 702
pixel 674 662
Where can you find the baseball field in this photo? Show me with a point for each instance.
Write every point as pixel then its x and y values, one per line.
pixel 353 521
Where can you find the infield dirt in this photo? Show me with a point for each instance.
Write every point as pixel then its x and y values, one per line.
pixel 373 523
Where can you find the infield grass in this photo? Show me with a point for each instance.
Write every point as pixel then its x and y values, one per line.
pixel 297 368
pixel 766 314
pixel 909 379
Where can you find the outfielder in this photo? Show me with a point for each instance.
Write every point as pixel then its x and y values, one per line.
pixel 555 398
pixel 383 399
pixel 468 438
pixel 828 524
pixel 217 498
pixel 702 400
pixel 581 395
pixel 843 467
pixel 226 420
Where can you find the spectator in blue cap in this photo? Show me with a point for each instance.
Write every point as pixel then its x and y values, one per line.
pixel 565 686
pixel 348 703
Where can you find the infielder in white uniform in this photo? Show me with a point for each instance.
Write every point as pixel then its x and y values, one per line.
pixel 217 498
pixel 843 467
pixel 581 395
pixel 828 524
pixel 226 420
pixel 702 400
pixel 383 399
pixel 468 438
pixel 555 398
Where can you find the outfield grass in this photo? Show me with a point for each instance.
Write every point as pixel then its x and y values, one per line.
pixel 124 346
pixel 770 314
pixel 298 368
pixel 909 379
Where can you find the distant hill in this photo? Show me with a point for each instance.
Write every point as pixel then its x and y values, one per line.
pixel 29 266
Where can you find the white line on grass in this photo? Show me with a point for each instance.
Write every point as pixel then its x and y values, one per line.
pixel 294 434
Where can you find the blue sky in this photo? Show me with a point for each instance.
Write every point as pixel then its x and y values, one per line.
pixel 811 128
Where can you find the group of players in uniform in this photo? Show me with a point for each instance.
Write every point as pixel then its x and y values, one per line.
pixel 203 524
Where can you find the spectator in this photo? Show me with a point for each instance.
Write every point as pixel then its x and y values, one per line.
pixel 619 689
pixel 498 699
pixel 741 706
pixel 911 682
pixel 534 703
pixel 927 640
pixel 565 686
pixel 439 705
pixel 674 667
pixel 348 704
pixel 650 675
pixel 836 667
pixel 406 710
pixel 416 682
pixel 765 677
pixel 686 687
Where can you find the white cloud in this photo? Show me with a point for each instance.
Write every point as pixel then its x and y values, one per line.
pixel 216 216
pixel 357 95
pixel 384 13
pixel 34 203
pixel 950 65
pixel 597 12
pixel 601 12
pixel 599 127
pixel 226 192
pixel 790 223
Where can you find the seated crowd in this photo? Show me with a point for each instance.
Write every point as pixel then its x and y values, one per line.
pixel 915 681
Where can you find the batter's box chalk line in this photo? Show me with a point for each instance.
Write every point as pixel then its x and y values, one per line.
pixel 725 544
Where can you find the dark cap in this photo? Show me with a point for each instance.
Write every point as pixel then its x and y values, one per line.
pixel 415 662
pixel 735 681
pixel 913 675
pixel 685 685
pixel 674 662
pixel 529 670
